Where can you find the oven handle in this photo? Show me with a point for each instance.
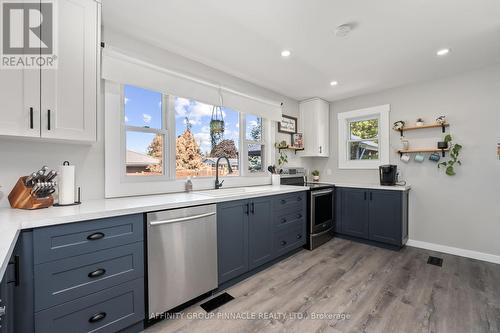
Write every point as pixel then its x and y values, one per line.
pixel 322 192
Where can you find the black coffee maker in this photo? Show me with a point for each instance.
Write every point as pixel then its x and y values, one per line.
pixel 388 174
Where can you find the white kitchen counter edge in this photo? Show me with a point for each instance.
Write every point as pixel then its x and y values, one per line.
pixel 12 221
pixel 372 186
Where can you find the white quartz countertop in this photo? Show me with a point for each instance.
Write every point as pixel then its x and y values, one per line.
pixel 12 221
pixel 373 186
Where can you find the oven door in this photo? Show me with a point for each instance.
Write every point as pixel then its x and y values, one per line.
pixel 321 210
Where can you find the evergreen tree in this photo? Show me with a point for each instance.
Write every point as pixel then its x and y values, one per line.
pixel 188 154
pixel 155 149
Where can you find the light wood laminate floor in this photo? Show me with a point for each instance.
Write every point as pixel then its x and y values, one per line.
pixel 376 290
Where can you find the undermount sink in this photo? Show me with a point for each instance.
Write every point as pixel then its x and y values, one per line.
pixel 225 192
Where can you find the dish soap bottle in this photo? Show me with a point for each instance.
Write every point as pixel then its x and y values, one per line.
pixel 189 184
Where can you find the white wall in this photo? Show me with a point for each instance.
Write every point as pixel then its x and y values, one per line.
pixel 459 211
pixel 20 157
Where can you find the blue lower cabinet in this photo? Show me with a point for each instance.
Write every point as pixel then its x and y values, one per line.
pixel 260 232
pixel 248 232
pixel 80 277
pixel 66 279
pixel 107 311
pixel 376 215
pixel 232 239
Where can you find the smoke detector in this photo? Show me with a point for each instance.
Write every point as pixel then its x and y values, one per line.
pixel 343 30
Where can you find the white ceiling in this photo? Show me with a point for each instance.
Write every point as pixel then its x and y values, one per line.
pixel 394 41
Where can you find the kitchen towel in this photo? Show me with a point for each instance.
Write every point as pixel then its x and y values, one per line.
pixel 66 184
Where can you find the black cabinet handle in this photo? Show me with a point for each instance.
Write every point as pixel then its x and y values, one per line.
pixel 299 216
pixel 365 195
pixel 95 236
pixel 371 196
pixel 48 120
pixel 299 198
pixel 97 317
pixel 283 201
pixel 17 271
pixel 31 118
pixel 253 208
pixel 283 243
pixel 283 221
pixel 98 272
pixel 299 236
pixel 248 209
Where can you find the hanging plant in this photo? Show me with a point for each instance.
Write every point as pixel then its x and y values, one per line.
pixel 454 152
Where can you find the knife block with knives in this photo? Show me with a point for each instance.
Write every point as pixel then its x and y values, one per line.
pixel 35 190
pixel 23 197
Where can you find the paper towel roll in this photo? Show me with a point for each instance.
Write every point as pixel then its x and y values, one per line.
pixel 66 180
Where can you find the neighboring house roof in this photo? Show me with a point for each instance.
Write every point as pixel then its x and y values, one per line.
pixel 138 159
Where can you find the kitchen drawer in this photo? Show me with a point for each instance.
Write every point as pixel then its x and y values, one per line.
pixel 289 239
pixel 285 219
pixel 289 201
pixel 106 311
pixel 63 280
pixel 68 240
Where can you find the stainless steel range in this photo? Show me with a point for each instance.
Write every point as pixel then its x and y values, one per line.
pixel 321 203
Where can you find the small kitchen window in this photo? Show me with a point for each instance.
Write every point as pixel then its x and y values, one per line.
pixel 253 143
pixel 364 138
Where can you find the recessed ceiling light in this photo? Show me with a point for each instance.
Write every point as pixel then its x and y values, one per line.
pixel 443 52
pixel 333 83
pixel 286 53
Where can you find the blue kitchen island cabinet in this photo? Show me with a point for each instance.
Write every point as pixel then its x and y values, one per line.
pixel 247 237
pixel 379 216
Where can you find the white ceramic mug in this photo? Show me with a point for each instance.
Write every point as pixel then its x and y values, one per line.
pixel 405 158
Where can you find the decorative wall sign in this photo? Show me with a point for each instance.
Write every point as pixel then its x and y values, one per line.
pixel 287 125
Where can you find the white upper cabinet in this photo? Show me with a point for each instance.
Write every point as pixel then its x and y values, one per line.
pixel 315 119
pixel 20 102
pixel 64 99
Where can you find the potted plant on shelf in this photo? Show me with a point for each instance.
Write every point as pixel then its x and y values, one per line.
pixel 454 152
pixel 420 122
pixel 315 174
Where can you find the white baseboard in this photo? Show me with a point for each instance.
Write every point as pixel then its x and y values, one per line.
pixel 455 250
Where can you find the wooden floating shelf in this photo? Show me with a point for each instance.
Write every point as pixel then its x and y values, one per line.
pixel 295 149
pixel 422 150
pixel 411 128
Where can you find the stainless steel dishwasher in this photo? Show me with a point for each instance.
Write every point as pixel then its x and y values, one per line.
pixel 182 256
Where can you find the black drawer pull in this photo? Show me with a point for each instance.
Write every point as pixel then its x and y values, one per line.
pixel 283 221
pixel 283 243
pixel 95 236
pixel 299 198
pixel 299 236
pixel 283 201
pixel 98 272
pixel 97 317
pixel 299 216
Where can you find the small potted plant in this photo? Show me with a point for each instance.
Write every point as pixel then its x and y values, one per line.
pixel 420 122
pixel 315 174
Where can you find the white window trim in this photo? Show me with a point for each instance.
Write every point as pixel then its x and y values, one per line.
pixel 382 113
pixel 119 185
pixel 245 142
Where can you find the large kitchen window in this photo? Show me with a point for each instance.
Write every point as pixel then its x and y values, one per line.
pixel 178 137
pixel 364 138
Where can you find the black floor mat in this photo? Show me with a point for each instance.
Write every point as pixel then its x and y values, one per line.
pixel 215 302
pixel 435 261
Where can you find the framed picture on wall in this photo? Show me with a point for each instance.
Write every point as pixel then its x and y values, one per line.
pixel 297 140
pixel 287 125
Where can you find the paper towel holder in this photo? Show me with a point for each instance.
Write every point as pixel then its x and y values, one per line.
pixel 77 202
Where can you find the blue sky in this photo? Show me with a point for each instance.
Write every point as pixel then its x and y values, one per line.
pixel 143 108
